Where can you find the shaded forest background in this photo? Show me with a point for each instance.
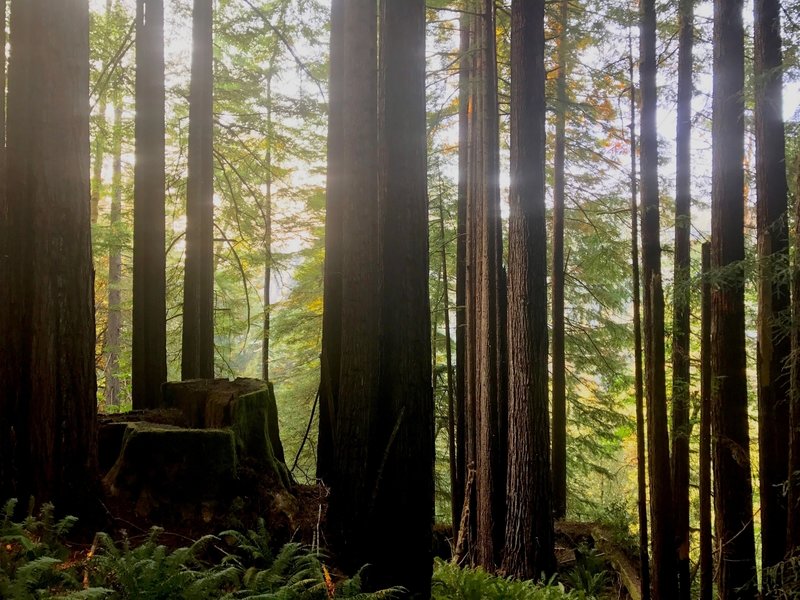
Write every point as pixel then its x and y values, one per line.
pixel 269 165
pixel 245 179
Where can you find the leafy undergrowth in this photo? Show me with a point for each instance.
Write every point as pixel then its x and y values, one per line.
pixel 35 563
pixel 451 582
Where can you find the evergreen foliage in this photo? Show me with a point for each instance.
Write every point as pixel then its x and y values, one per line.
pixel 36 563
pixel 451 582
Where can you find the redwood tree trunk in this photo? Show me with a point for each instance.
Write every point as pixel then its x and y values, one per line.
pixel 793 496
pixel 47 350
pixel 733 490
pixel 149 366
pixel 559 361
pixel 197 352
pixel 663 538
pixel 332 294
pixel 490 456
pixel 704 460
pixel 529 523
pixel 405 428
pixel 681 351
pixel 355 463
pixel 774 347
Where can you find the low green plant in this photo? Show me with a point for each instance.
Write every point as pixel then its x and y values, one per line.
pixel 589 575
pixel 32 557
pixel 36 564
pixel 451 582
pixel 782 581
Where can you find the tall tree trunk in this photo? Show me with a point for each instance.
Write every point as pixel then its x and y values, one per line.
pixel 461 270
pixel 405 439
pixel 3 209
pixel 774 347
pixel 664 579
pixel 706 550
pixel 149 261
pixel 733 489
pixel 681 351
pixel 559 361
pixel 793 496
pixel 489 405
pixel 641 455
pixel 354 478
pixel 332 294
pixel 47 350
pixel 529 524
pixel 267 215
pixel 114 325
pixel 197 352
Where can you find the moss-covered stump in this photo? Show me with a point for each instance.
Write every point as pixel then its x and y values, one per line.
pixel 247 407
pixel 164 468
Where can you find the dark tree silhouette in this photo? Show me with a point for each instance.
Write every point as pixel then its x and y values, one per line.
pixel 682 296
pixel 354 464
pixel 332 299
pixel 405 428
pixel 661 517
pixel 731 451
pixel 529 522
pixel 149 356
pixel 47 350
pixel 704 460
pixel 559 361
pixel 774 347
pixel 197 351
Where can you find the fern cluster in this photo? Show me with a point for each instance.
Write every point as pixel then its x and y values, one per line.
pixel 35 564
pixel 783 580
pixel 451 582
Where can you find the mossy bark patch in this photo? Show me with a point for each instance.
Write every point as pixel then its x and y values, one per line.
pixel 164 467
pixel 246 406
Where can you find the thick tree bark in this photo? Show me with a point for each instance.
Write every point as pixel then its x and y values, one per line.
pixel 641 455
pixel 332 294
pixel 681 351
pixel 793 496
pixel 197 352
pixel 774 347
pixel 405 435
pixel 149 261
pixel 529 522
pixel 559 360
pixel 661 517
pixel 355 463
pixel 47 350
pixel 113 335
pixel 733 489
pixel 489 406
pixel 704 460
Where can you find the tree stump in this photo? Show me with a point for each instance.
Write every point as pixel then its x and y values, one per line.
pixel 183 456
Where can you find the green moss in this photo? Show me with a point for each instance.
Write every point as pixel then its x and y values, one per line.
pixel 163 464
